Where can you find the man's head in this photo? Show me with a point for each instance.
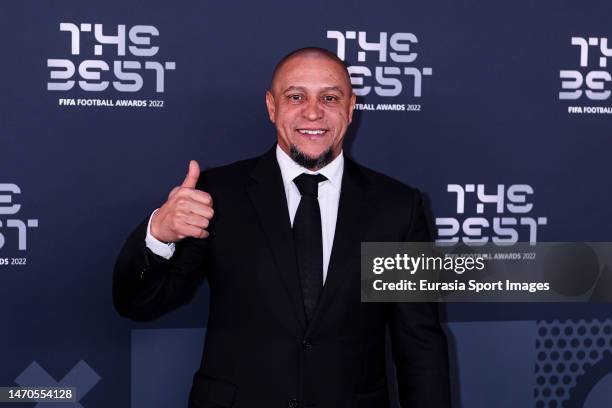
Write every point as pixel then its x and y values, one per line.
pixel 310 101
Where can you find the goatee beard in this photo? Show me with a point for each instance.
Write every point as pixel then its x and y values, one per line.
pixel 311 163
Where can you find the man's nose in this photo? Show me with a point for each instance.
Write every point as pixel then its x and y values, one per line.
pixel 313 110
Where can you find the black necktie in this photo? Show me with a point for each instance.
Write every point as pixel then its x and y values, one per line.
pixel 308 240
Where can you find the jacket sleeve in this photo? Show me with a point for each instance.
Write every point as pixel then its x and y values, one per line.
pixel 418 342
pixel 146 286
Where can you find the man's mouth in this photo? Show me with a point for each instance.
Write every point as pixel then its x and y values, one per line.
pixel 312 132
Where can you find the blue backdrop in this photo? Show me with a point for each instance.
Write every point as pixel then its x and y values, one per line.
pixel 103 104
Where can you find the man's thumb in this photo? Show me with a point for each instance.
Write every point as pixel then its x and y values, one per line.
pixel 192 175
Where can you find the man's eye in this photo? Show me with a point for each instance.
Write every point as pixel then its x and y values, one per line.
pixel 330 98
pixel 295 97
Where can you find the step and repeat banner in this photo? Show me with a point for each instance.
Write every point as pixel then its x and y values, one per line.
pixel 500 112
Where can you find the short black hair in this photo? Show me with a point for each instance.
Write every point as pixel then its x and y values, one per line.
pixel 316 51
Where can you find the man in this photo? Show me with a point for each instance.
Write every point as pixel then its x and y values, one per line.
pixel 278 239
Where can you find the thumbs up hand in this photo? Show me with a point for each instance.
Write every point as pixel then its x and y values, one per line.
pixel 186 213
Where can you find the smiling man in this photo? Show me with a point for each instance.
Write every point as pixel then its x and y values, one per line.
pixel 278 237
pixel 311 103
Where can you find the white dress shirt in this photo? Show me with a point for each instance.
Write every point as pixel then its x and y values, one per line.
pixel 329 197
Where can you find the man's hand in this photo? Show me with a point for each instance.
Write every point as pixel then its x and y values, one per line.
pixel 187 212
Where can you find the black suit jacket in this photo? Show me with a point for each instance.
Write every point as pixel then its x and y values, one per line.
pixel 259 352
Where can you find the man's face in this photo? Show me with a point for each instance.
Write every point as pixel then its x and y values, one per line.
pixel 311 103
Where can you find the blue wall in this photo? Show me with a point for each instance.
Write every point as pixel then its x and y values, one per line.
pixel 491 109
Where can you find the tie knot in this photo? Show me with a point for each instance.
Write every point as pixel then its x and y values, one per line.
pixel 308 184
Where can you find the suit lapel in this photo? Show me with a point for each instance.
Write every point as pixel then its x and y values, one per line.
pixel 350 224
pixel 268 197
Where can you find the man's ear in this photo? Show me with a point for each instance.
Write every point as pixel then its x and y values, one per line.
pixel 352 107
pixel 270 106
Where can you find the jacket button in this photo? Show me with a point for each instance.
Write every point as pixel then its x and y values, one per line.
pixel 306 344
pixel 294 403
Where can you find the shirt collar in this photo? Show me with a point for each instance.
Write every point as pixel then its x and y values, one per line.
pixel 290 169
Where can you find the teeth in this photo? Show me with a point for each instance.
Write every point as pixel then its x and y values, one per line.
pixel 311 132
